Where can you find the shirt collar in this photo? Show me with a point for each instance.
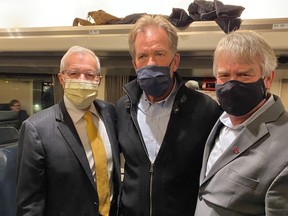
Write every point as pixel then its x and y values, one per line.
pixel 145 104
pixel 75 113
pixel 224 118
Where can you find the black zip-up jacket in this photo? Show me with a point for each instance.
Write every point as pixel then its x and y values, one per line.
pixel 170 185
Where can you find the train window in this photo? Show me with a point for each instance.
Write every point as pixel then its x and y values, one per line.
pixel 34 91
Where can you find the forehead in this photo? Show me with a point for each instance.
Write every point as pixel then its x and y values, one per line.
pixel 241 56
pixel 152 37
pixel 232 68
pixel 81 59
pixel 236 67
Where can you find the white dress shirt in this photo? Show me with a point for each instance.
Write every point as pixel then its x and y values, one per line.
pixel 228 133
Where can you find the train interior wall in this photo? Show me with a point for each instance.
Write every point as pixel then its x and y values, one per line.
pixel 37 91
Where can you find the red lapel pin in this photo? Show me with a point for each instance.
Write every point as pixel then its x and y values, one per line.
pixel 235 150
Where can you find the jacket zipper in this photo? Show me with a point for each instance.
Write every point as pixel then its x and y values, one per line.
pixel 151 165
pixel 152 170
pixel 134 121
pixel 151 187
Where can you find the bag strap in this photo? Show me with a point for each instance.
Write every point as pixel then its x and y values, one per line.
pixel 82 22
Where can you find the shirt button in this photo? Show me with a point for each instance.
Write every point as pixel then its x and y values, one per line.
pixel 200 197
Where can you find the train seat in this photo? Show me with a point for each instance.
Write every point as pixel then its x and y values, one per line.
pixel 8 136
pixel 8 157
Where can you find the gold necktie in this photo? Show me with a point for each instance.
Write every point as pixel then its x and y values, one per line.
pixel 101 165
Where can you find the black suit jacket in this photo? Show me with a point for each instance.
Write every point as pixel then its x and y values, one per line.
pixel 53 176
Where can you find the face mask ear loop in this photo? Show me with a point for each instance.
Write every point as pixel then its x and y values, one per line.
pixel 171 61
pixel 133 63
pixel 266 90
pixel 171 64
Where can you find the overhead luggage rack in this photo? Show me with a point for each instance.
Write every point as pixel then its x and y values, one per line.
pixel 44 46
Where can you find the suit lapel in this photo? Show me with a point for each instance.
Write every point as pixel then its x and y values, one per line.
pixel 208 147
pixel 69 132
pixel 107 118
pixel 248 137
pixel 244 141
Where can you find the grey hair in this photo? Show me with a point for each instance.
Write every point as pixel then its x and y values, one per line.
pixel 246 46
pixel 79 49
pixel 156 21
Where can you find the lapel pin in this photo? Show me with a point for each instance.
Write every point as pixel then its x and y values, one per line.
pixel 235 150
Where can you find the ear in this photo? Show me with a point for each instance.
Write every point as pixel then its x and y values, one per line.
pixel 269 79
pixel 134 65
pixel 60 78
pixel 100 79
pixel 176 61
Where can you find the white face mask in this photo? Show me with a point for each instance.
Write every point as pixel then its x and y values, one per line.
pixel 81 92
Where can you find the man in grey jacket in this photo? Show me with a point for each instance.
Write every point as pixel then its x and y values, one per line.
pixel 245 161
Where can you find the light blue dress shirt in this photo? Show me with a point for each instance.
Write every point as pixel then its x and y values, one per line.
pixel 153 120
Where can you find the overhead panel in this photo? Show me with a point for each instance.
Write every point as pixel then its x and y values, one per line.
pixel 44 47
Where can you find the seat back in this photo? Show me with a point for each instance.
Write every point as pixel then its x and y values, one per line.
pixel 8 135
pixel 8 157
pixel 4 106
pixel 10 118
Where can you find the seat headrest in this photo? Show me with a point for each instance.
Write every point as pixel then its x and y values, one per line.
pixel 8 135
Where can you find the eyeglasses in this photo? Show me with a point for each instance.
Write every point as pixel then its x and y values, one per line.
pixel 89 75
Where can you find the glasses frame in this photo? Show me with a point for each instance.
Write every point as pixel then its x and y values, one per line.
pixel 94 76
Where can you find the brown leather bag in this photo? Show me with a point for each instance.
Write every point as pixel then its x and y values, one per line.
pixel 100 17
pixel 78 21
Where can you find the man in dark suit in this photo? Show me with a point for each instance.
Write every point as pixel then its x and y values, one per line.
pixel 56 173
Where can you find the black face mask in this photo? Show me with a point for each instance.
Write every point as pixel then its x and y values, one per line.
pixel 154 80
pixel 238 98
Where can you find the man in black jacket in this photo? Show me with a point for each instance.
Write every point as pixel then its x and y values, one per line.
pixel 162 126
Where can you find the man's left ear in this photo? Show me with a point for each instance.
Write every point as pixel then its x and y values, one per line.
pixel 100 79
pixel 133 63
pixel 60 78
pixel 176 62
pixel 268 80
